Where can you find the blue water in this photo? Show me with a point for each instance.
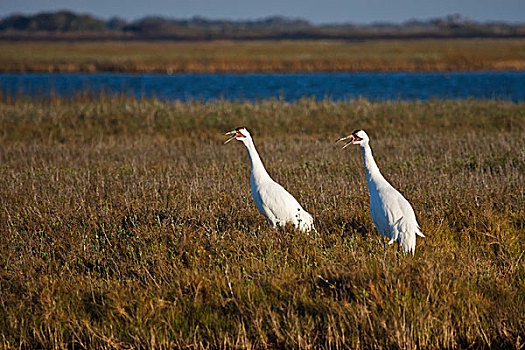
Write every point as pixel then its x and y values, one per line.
pixel 289 87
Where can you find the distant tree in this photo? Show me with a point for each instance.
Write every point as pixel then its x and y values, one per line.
pixel 57 21
pixel 16 22
pixel 116 23
pixel 270 27
pixel 280 22
pixel 153 25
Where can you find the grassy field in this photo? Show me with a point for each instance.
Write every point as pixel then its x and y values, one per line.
pixel 128 224
pixel 264 56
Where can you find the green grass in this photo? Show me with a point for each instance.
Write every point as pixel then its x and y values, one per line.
pixel 127 223
pixel 265 56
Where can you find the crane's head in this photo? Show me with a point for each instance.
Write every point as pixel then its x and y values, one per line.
pixel 240 134
pixel 358 137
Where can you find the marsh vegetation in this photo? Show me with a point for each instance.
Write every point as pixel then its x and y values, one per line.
pixel 264 56
pixel 126 223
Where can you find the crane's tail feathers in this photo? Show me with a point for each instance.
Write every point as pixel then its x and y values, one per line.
pixel 398 221
pixel 306 222
pixel 395 230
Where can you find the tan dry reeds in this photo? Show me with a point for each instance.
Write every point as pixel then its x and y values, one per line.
pixel 127 223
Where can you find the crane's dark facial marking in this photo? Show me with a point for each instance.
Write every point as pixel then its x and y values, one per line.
pixel 239 134
pixel 356 138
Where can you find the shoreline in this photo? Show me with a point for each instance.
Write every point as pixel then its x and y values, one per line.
pixel 184 69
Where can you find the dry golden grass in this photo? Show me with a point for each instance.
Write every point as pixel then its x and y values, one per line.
pixel 264 56
pixel 127 224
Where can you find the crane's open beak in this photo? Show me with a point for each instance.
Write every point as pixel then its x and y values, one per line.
pixel 233 132
pixel 351 139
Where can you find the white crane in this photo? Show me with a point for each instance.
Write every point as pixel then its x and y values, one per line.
pixel 391 213
pixel 272 200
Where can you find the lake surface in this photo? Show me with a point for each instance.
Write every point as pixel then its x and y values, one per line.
pixel 289 87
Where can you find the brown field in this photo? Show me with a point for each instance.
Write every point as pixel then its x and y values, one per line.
pixel 128 224
pixel 264 56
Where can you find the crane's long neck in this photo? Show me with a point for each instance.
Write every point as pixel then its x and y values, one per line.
pixel 258 171
pixel 373 175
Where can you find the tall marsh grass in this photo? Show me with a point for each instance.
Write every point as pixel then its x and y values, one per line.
pixel 127 224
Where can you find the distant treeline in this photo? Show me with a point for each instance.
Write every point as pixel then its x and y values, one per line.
pixel 69 25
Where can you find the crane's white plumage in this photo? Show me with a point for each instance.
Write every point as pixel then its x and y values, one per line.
pixel 272 200
pixel 391 213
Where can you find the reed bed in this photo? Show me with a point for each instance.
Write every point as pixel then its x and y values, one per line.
pixel 128 224
pixel 264 56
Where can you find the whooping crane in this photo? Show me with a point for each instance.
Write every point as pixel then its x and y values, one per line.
pixel 391 213
pixel 272 200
